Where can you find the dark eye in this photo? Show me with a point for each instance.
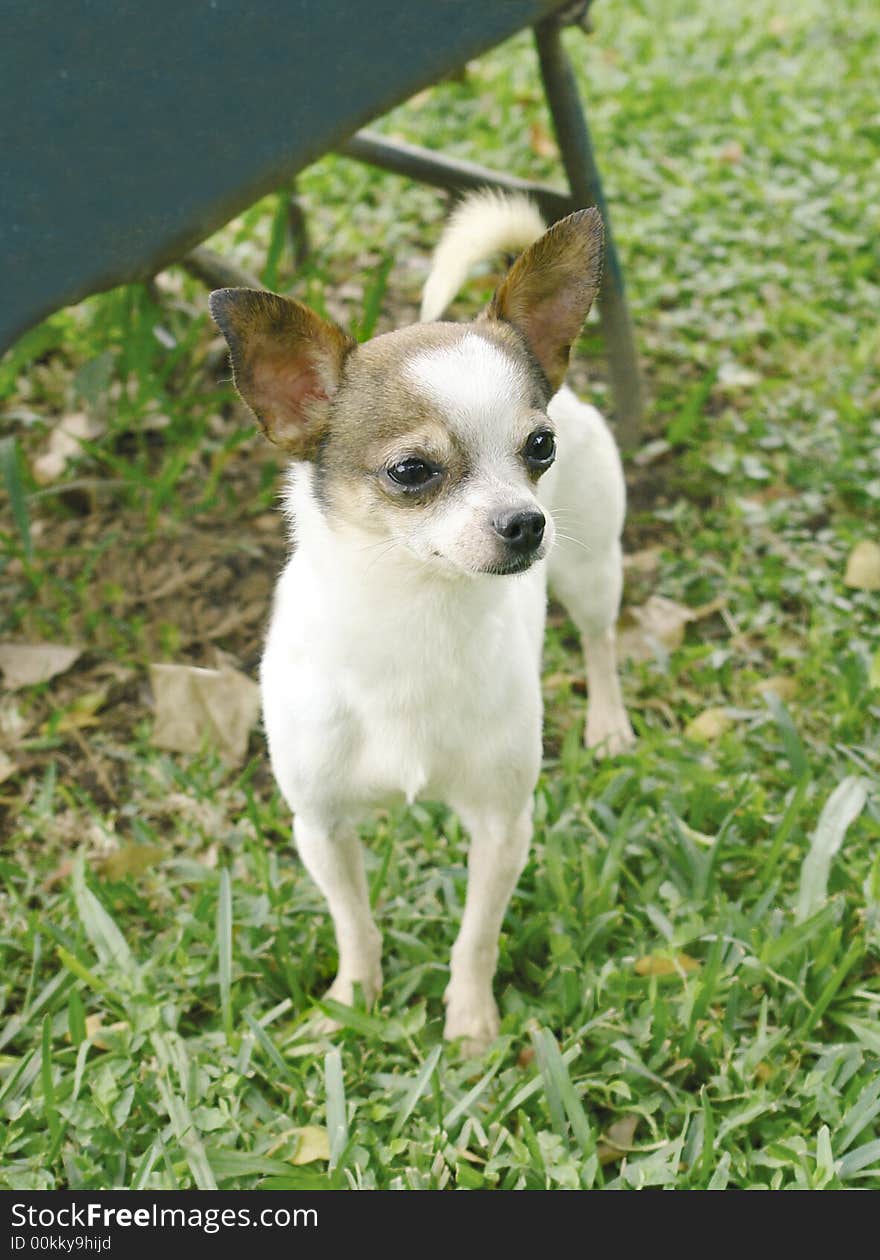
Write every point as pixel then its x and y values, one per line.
pixel 540 449
pixel 413 473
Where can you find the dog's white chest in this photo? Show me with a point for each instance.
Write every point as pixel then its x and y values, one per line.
pixel 420 696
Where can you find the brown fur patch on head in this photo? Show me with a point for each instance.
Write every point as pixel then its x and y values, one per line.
pixel 381 415
pixel 549 290
pixel 287 364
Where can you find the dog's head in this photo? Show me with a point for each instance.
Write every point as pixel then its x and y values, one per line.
pixel 433 437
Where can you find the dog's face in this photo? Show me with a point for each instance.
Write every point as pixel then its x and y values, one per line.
pixel 432 438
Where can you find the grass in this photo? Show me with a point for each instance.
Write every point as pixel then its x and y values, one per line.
pixel 690 971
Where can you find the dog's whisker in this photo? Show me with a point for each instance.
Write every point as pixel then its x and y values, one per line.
pixel 577 541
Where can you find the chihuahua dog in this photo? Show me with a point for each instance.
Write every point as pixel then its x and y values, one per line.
pixel 440 475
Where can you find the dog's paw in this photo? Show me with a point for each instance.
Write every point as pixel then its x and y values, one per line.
pixel 472 1021
pixel 608 735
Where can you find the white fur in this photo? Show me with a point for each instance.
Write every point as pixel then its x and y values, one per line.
pixel 483 224
pixel 388 677
pixel 476 384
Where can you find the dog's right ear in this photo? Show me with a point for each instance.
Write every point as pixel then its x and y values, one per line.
pixel 286 363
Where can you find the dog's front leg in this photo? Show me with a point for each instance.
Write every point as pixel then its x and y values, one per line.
pixel 334 859
pixel 498 852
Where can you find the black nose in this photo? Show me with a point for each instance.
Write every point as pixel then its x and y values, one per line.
pixel 521 530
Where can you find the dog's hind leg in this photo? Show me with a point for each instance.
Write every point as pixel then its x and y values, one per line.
pixel 334 860
pixel 587 499
pixel 498 851
pixel 590 589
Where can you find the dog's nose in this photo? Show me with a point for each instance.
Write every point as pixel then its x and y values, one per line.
pixel 521 530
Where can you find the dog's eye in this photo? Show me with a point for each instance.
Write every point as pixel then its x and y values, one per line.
pixel 413 473
pixel 540 449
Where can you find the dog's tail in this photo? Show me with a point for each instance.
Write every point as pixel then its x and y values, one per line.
pixel 484 223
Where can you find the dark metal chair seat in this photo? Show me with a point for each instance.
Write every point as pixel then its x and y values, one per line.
pixel 137 129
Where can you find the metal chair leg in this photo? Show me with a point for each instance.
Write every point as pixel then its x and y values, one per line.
pixel 576 148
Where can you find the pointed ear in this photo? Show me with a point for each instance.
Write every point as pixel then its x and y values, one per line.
pixel 550 288
pixel 286 362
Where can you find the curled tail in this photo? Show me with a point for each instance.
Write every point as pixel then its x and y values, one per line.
pixel 483 224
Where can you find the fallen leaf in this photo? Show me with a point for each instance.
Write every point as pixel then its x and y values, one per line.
pixel 26 664
pixel 863 567
pixel 708 725
pixel 94 1028
pixel 618 1140
pixel 64 444
pixel 646 561
pixel 7 767
pixel 664 965
pixel 783 687
pixel 541 141
pixel 732 153
pixel 525 1057
pixel 199 706
pixel 659 621
pixel 131 859
pixel 313 1144
pixel 651 452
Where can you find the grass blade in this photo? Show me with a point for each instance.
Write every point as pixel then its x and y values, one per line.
pixel 15 489
pixel 182 1122
pixel 106 938
pixel 562 1098
pixel 267 1045
pixel 49 1105
pixel 791 741
pixel 842 808
pixel 860 1158
pixel 337 1122
pixel 224 949
pixel 860 1114
pixel 418 1087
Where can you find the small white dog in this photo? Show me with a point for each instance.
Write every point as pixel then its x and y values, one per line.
pixel 441 473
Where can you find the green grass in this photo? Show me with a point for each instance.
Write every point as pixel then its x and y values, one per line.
pixel 690 966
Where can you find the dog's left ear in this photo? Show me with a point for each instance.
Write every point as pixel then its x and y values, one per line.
pixel 549 290
pixel 287 363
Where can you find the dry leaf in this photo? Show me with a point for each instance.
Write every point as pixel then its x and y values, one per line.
pixel 94 1028
pixel 651 452
pixel 64 444
pixel 525 1057
pixel 646 561
pixel 541 141
pixel 732 153
pixel 131 859
pixel 618 1140
pixel 781 686
pixel 659 621
pixel 7 766
pixel 26 664
pixel 863 567
pixel 313 1144
pixel 710 724
pixel 663 965
pixel 199 706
